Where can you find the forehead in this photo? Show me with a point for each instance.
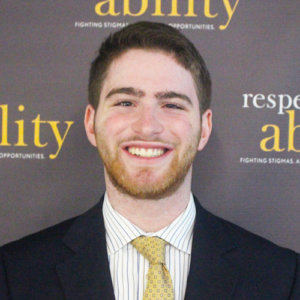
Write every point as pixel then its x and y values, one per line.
pixel 149 70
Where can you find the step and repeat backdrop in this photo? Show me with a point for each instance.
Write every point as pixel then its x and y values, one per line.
pixel 249 172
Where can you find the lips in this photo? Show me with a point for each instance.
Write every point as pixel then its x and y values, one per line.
pixel 146 149
pixel 146 152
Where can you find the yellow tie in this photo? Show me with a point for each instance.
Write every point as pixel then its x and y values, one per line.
pixel 159 282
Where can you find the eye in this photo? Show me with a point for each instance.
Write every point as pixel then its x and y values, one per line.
pixel 124 103
pixel 173 106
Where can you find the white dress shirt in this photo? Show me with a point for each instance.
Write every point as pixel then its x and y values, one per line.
pixel 129 268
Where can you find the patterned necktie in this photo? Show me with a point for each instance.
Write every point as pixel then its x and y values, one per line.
pixel 159 282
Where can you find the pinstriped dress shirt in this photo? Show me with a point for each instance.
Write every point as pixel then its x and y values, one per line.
pixel 129 268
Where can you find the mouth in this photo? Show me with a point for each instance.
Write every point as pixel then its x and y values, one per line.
pixel 147 151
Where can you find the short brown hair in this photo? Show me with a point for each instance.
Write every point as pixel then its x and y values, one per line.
pixel 149 35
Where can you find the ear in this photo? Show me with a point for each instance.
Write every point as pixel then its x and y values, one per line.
pixel 89 119
pixel 206 127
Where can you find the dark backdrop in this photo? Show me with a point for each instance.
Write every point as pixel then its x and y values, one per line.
pixel 248 173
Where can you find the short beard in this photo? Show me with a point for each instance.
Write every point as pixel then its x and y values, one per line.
pixel 168 184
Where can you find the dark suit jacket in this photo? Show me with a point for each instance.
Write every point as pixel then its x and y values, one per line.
pixel 69 261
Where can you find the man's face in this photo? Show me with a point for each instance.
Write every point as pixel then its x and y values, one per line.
pixel 147 126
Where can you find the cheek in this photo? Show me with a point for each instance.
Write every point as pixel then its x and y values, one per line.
pixel 181 126
pixel 112 125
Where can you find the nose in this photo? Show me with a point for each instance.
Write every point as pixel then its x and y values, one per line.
pixel 147 123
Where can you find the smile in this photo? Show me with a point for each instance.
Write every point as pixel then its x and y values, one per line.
pixel 147 152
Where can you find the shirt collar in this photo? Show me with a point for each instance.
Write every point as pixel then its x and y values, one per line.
pixel 120 231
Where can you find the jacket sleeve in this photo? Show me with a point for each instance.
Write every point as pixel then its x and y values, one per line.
pixel 295 294
pixel 3 280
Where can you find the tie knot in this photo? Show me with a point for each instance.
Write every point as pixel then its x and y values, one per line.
pixel 152 248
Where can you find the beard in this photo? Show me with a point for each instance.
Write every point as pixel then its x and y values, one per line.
pixel 142 185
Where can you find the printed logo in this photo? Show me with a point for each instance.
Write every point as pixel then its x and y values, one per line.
pixel 186 9
pixel 22 139
pixel 278 138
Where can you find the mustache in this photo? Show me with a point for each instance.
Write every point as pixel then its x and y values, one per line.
pixel 145 139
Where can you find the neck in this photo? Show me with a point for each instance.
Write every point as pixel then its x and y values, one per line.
pixel 150 215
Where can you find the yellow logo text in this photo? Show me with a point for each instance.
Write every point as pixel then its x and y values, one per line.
pixel 108 8
pixel 20 141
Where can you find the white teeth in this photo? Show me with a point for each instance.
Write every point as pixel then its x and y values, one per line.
pixel 146 152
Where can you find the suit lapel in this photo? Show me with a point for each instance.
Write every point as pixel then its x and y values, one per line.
pixel 212 274
pixel 86 274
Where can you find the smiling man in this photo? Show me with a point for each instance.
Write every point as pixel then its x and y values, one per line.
pixel 148 238
pixel 148 128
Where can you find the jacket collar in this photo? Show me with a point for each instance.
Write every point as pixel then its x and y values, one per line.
pixel 86 274
pixel 213 274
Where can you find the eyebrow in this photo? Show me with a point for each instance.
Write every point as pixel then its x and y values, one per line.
pixel 127 91
pixel 172 94
pixel 139 93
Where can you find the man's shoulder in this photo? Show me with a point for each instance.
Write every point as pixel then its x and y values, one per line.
pixel 34 264
pixel 264 270
pixel 248 245
pixel 38 243
pixel 50 238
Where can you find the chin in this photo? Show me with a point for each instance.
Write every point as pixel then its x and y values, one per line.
pixel 147 188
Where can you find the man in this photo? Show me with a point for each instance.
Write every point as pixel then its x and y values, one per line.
pixel 149 114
